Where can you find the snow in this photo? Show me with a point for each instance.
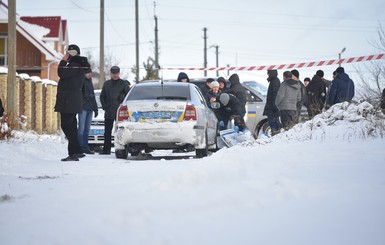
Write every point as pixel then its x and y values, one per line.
pixel 322 182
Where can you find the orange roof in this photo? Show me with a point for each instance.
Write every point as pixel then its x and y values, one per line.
pixel 50 22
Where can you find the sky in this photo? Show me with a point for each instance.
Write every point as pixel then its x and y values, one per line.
pixel 321 182
pixel 247 32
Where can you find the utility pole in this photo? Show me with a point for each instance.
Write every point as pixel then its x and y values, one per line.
pixel 102 77
pixel 137 39
pixel 205 51
pixel 11 82
pixel 156 45
pixel 217 58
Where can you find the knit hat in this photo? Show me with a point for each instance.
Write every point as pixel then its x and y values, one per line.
pixel 88 70
pixel 320 73
pixel 73 50
pixel 295 73
pixel 224 98
pixel 340 70
pixel 214 84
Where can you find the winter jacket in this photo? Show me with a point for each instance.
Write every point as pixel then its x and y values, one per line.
pixel 342 89
pixel 1 108
pixel 289 94
pixel 274 83
pixel 239 91
pixel 382 104
pixel 89 101
pixel 316 93
pixel 69 90
pixel 112 95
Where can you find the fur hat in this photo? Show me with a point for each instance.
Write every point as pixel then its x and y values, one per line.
pixel 115 70
pixel 73 50
pixel 224 98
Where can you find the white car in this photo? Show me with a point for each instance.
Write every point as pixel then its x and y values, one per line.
pixel 164 115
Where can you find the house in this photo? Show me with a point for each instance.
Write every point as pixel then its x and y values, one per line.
pixel 41 43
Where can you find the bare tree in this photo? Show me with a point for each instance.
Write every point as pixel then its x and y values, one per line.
pixel 371 87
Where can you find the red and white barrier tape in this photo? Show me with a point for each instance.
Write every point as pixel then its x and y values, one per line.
pixel 286 66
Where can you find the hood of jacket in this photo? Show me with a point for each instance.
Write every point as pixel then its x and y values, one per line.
pixel 272 74
pixel 292 83
pixel 181 76
pixel 234 79
pixel 343 76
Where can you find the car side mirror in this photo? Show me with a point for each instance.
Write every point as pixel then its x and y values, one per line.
pixel 215 105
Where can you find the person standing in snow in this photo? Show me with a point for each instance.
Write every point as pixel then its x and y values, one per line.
pixel 239 91
pixel 111 96
pixel 316 94
pixel 382 103
pixel 342 88
pixel 288 95
pixel 302 102
pixel 231 109
pixel 69 99
pixel 89 107
pixel 271 110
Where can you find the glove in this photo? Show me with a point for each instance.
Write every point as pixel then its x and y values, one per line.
pixel 221 124
pixel 96 113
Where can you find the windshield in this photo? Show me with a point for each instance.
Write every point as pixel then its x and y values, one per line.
pixel 260 88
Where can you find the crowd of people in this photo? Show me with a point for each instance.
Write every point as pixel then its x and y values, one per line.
pixel 285 100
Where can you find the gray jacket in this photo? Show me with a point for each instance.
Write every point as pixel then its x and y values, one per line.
pixel 289 93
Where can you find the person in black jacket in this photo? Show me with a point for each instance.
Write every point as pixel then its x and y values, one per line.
pixel 69 97
pixel 382 103
pixel 183 78
pixel 342 88
pixel 1 108
pixel 239 91
pixel 271 110
pixel 112 95
pixel 316 94
pixel 89 107
pixel 231 109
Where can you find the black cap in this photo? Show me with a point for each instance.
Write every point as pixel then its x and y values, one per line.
pixel 320 73
pixel 307 79
pixel 295 73
pixel 75 48
pixel 88 70
pixel 115 69
pixel 340 70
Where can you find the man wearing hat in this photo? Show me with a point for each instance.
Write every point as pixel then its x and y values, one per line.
pixel 112 95
pixel 342 88
pixel 89 107
pixel 316 94
pixel 69 98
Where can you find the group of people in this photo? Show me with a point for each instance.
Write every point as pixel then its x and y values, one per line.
pixel 231 101
pixel 76 97
pixel 285 100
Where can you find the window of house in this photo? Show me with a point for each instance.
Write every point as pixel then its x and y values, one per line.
pixel 3 51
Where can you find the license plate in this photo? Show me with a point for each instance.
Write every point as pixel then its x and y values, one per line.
pixel 157 115
pixel 96 132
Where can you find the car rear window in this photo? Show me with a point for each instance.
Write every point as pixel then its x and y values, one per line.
pixel 159 93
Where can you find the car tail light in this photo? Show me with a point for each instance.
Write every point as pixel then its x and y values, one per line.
pixel 123 113
pixel 190 113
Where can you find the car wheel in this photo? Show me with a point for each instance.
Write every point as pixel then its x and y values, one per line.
pixel 135 153
pixel 265 130
pixel 205 151
pixel 121 154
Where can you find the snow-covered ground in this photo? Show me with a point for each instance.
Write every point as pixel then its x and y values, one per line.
pixel 323 182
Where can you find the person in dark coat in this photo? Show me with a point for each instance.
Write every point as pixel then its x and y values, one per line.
pixel 1 108
pixel 382 103
pixel 342 88
pixel 89 107
pixel 239 91
pixel 295 76
pixel 316 94
pixel 69 98
pixel 222 85
pixel 112 95
pixel 231 109
pixel 288 96
pixel 271 110
pixel 207 86
pixel 182 77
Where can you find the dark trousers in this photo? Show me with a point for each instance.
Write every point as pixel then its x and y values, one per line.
pixel 288 118
pixel 108 124
pixel 274 124
pixel 70 128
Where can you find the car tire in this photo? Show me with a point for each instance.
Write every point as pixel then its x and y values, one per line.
pixel 200 153
pixel 121 154
pixel 264 130
pixel 135 153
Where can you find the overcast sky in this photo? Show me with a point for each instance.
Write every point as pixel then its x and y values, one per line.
pixel 248 32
